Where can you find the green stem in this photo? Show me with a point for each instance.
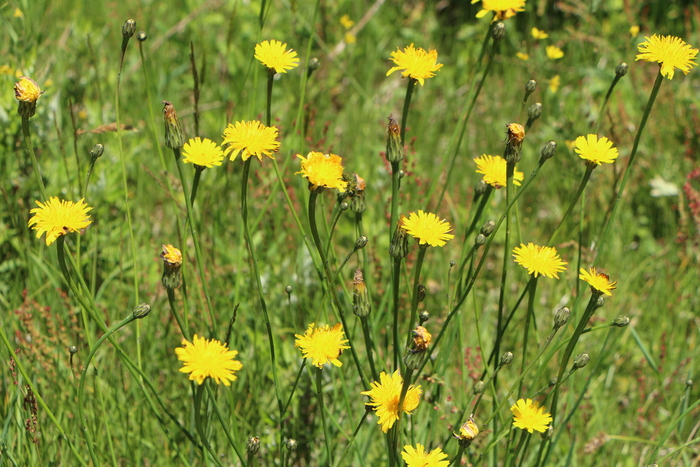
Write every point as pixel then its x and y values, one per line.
pixel 180 322
pixel 605 102
pixel 35 163
pixel 414 300
pixel 396 166
pixel 510 170
pixel 395 281
pixel 224 426
pixel 530 315
pixel 200 425
pixel 579 190
pixel 322 409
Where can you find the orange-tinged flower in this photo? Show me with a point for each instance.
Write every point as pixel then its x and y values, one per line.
pixel 415 63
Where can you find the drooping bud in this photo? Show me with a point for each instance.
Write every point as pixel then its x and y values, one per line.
pixel 361 304
pixel 174 134
pixel 172 262
pixel 621 321
pixel 142 310
pixel 394 145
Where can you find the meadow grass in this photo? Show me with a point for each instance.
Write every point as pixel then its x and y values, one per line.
pixel 92 376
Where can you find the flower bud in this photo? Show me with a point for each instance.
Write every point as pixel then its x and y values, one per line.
pixel 361 305
pixel 252 446
pixel 479 388
pixel 514 142
pixel 622 69
pixel 394 145
pixel 97 151
pixel 172 262
pixel 141 310
pixel 548 150
pixel 421 293
pixel 621 321
pixel 480 240
pixel 487 228
pixel 562 317
pixel 27 92
pixel 72 350
pixel 530 87
pixel 600 301
pixel 467 432
pixel 398 249
pixel 291 444
pixel 361 242
pixel 288 289
pixel 423 316
pixel 498 31
pixel 142 36
pixel 419 345
pixel 356 189
pixel 534 112
pixel 344 206
pixel 581 360
pixel 689 383
pixel 174 134
pixel 128 29
pixel 506 358
pixel 481 187
pixel 314 63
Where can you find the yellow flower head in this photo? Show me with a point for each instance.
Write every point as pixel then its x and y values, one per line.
pixel 428 228
pixel 275 56
pixel 634 30
pixel 554 52
pixel 530 416
pixel 346 22
pixel 384 397
pixel 599 282
pixel 539 260
pixel 59 217
pixel 421 339
pixel 554 83
pixel 323 171
pixel 523 56
pixel 202 152
pixel 417 457
pixel 538 34
pixel 208 358
pixel 26 90
pixel 494 170
pixel 468 431
pixel 668 51
pixel 171 256
pixel 503 9
pixel 595 151
pixel 415 63
pixel 322 344
pixel 250 139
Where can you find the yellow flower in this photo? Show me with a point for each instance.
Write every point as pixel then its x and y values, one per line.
pixel 494 170
pixel 202 152
pixel 18 13
pixel 208 358
pixel 428 228
pixel 599 282
pixel 530 416
pixel 634 30
pixel 417 457
pixel 539 260
pixel 346 22
pixel 523 56
pixel 322 344
pixel 537 34
pixel 27 90
pixel 171 256
pixel 554 83
pixel 275 56
pixel 668 51
pixel 467 432
pixel 415 63
pixel 6 70
pixel 350 38
pixel 384 397
pixel 59 217
pixel 172 262
pixel 323 171
pixel 421 339
pixel 596 151
pixel 250 139
pixel 554 52
pixel 503 9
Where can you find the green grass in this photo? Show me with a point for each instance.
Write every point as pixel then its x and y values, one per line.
pixel 628 406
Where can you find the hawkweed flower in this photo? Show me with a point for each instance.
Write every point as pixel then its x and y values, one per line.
pixel 322 344
pixel 600 282
pixel 172 262
pixel 515 134
pixel 428 228
pixel 275 56
pixel 539 260
pixel 529 415
pixel 669 52
pixel 467 432
pixel 554 83
pixel 419 345
pixel 174 134
pixel 323 171
pixel 493 169
pixel 27 92
pixel 208 358
pixel 415 63
pixel 250 139
pixel 554 52
pixel 595 151
pixel 502 9
pixel 417 457
pixel 203 153
pixel 538 34
pixel 58 217
pixel 384 398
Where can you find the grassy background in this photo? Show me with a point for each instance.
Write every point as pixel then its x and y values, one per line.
pixel 637 377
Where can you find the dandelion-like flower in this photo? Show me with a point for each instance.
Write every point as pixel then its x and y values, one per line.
pixel 529 415
pixel 554 83
pixel 275 56
pixel 538 34
pixel 208 358
pixel 415 63
pixel 669 52
pixel 172 262
pixel 202 152
pixel 58 217
pixel 428 228
pixel 322 344
pixel 27 92
pixel 171 256
pixel 503 9
pixel 595 151
pixel 250 139
pixel 494 170
pixel 600 282
pixel 323 171
pixel 554 52
pixel 384 397
pixel 539 260
pixel 417 457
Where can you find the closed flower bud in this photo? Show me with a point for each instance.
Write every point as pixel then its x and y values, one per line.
pixel 622 69
pixel 361 242
pixel 481 187
pixel 174 134
pixel 361 305
pixel 689 383
pixel 621 321
pixel 506 358
pixel 548 150
pixel 534 112
pixel 128 28
pixel 291 444
pixel 394 145
pixel 600 301
pixel 344 206
pixel 498 31
pixel 288 289
pixel 581 360
pixel 514 142
pixel 530 87
pixel 172 262
pixel 479 388
pixel 72 350
pixel 480 240
pixel 421 293
pixel 252 446
pixel 356 190
pixel 314 63
pixel 562 317
pixel 423 316
pixel 97 151
pixel 487 228
pixel 417 352
pixel 142 310
pixel 142 36
pixel 398 248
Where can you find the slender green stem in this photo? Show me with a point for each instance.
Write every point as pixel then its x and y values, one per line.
pixel 630 161
pixel 530 316
pixel 224 426
pixel 458 457
pixel 200 424
pixel 397 425
pixel 35 163
pixel 395 282
pixel 322 409
pixel 579 191
pixel 173 309
pixel 396 166
pixel 414 300
pixel 294 387
pixel 352 438
pixel 367 332
pixel 605 102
